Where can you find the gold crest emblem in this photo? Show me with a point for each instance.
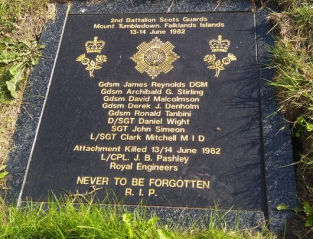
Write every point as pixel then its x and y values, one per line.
pixel 219 45
pixel 94 46
pixel 154 57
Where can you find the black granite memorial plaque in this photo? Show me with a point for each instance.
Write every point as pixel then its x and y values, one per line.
pixel 204 75
pixel 163 108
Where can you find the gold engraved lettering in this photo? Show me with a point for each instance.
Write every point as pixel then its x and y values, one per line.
pixel 140 20
pixel 108 84
pixel 178 122
pixel 115 20
pixel 198 84
pixel 139 99
pixel 138 182
pixel 182 106
pixel 128 192
pixel 120 120
pixel 160 32
pixel 193 138
pixel 121 166
pixel 120 181
pixel 179 183
pixel 175 99
pixel 102 136
pixel 130 84
pixel 173 158
pixel 189 92
pixel 144 92
pixel 113 98
pixel 150 121
pixel 92 180
pixel 163 137
pixel 139 106
pixel 141 129
pixel 135 149
pixel 182 150
pixel 112 106
pixel 106 91
pixel 102 26
pixel 208 150
pixel 195 19
pixel 168 92
pixel 173 19
pixel 151 192
pixel 168 84
pixel 154 57
pixel 178 31
pixel 138 26
pixel 147 113
pixel 130 137
pixel 147 158
pixel 180 25
pixel 206 24
pixel 120 128
pixel 160 129
pixel 153 167
pixel 84 148
pixel 119 113
pixel 178 113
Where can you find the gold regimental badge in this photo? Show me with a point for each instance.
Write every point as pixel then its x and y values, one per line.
pixel 219 45
pixel 155 57
pixel 94 46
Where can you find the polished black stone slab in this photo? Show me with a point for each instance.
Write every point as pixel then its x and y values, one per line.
pixel 274 144
pixel 222 127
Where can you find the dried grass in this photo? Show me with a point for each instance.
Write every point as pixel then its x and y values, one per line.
pixel 31 24
pixel 8 116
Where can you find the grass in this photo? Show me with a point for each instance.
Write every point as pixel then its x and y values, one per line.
pixel 293 62
pixel 69 220
pixel 20 25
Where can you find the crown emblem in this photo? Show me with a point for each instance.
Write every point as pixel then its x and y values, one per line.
pixel 219 45
pixel 94 46
pixel 214 63
pixel 97 62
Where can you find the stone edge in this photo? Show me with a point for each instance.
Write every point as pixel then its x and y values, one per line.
pixel 31 108
pixel 159 6
pixel 278 156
